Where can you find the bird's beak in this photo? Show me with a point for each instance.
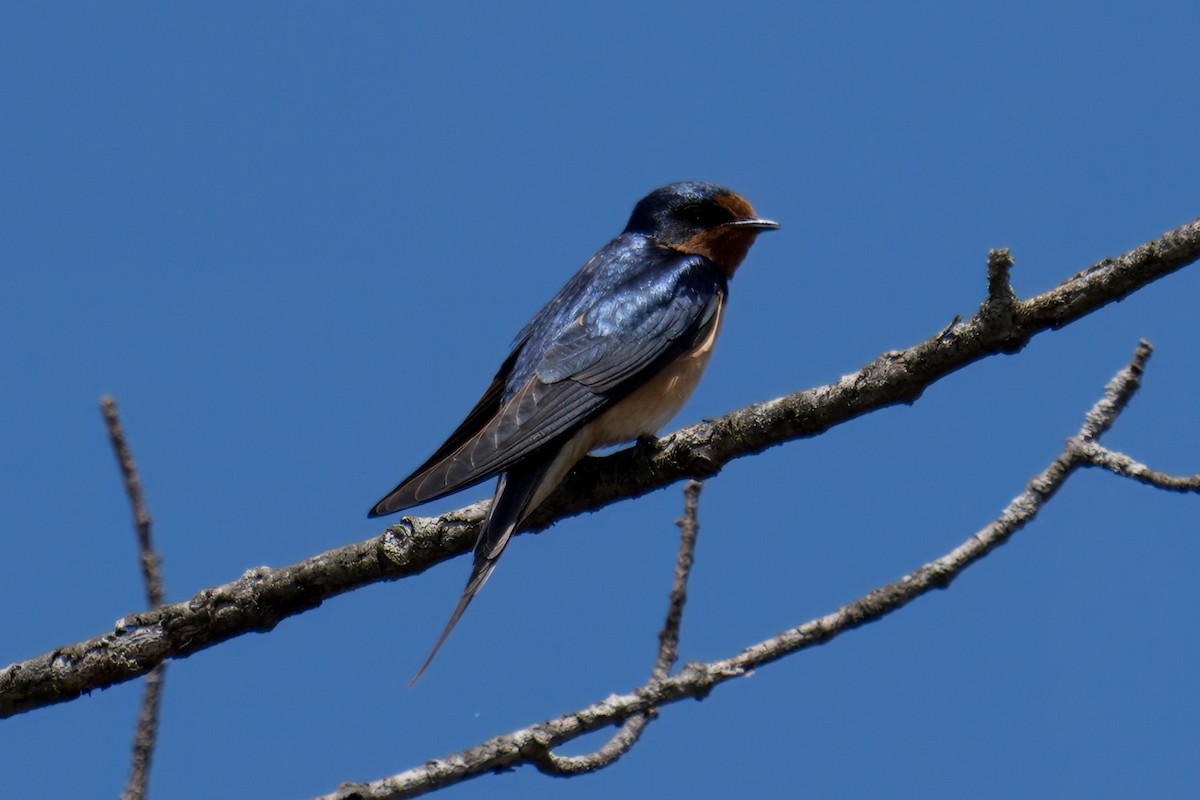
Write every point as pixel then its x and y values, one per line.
pixel 759 224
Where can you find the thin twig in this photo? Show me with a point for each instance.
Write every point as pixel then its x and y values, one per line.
pixel 146 731
pixel 145 735
pixel 627 735
pixel 689 529
pixel 697 680
pixel 1126 467
pixel 147 558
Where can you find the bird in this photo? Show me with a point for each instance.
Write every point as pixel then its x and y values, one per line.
pixel 612 357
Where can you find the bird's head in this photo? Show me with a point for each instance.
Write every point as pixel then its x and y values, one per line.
pixel 701 219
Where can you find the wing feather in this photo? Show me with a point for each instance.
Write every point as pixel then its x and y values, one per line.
pixel 590 354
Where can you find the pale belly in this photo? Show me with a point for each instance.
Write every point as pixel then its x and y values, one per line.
pixel 642 413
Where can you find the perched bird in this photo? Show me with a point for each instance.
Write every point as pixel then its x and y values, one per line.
pixel 613 356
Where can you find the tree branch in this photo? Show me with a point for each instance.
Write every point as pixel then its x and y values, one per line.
pixel 146 731
pixel 1126 467
pixel 263 596
pixel 539 752
pixel 697 680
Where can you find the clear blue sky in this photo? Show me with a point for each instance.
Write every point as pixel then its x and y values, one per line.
pixel 294 241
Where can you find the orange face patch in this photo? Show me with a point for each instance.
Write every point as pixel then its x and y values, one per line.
pixel 725 247
pixel 737 205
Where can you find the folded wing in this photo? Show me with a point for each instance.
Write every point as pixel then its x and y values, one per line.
pixel 569 368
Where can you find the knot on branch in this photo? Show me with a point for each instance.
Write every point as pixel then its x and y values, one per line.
pixel 999 311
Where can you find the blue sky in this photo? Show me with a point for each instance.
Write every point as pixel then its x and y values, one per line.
pixel 295 240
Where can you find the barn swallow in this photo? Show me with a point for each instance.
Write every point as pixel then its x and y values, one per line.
pixel 613 356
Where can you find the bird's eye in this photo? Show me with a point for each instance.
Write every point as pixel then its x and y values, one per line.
pixel 706 215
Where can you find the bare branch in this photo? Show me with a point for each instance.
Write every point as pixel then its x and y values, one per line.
pixel 700 451
pixel 697 680
pixel 538 751
pixel 149 561
pixel 689 530
pixel 145 732
pixel 263 596
pixel 145 735
pixel 1002 300
pixel 1126 467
